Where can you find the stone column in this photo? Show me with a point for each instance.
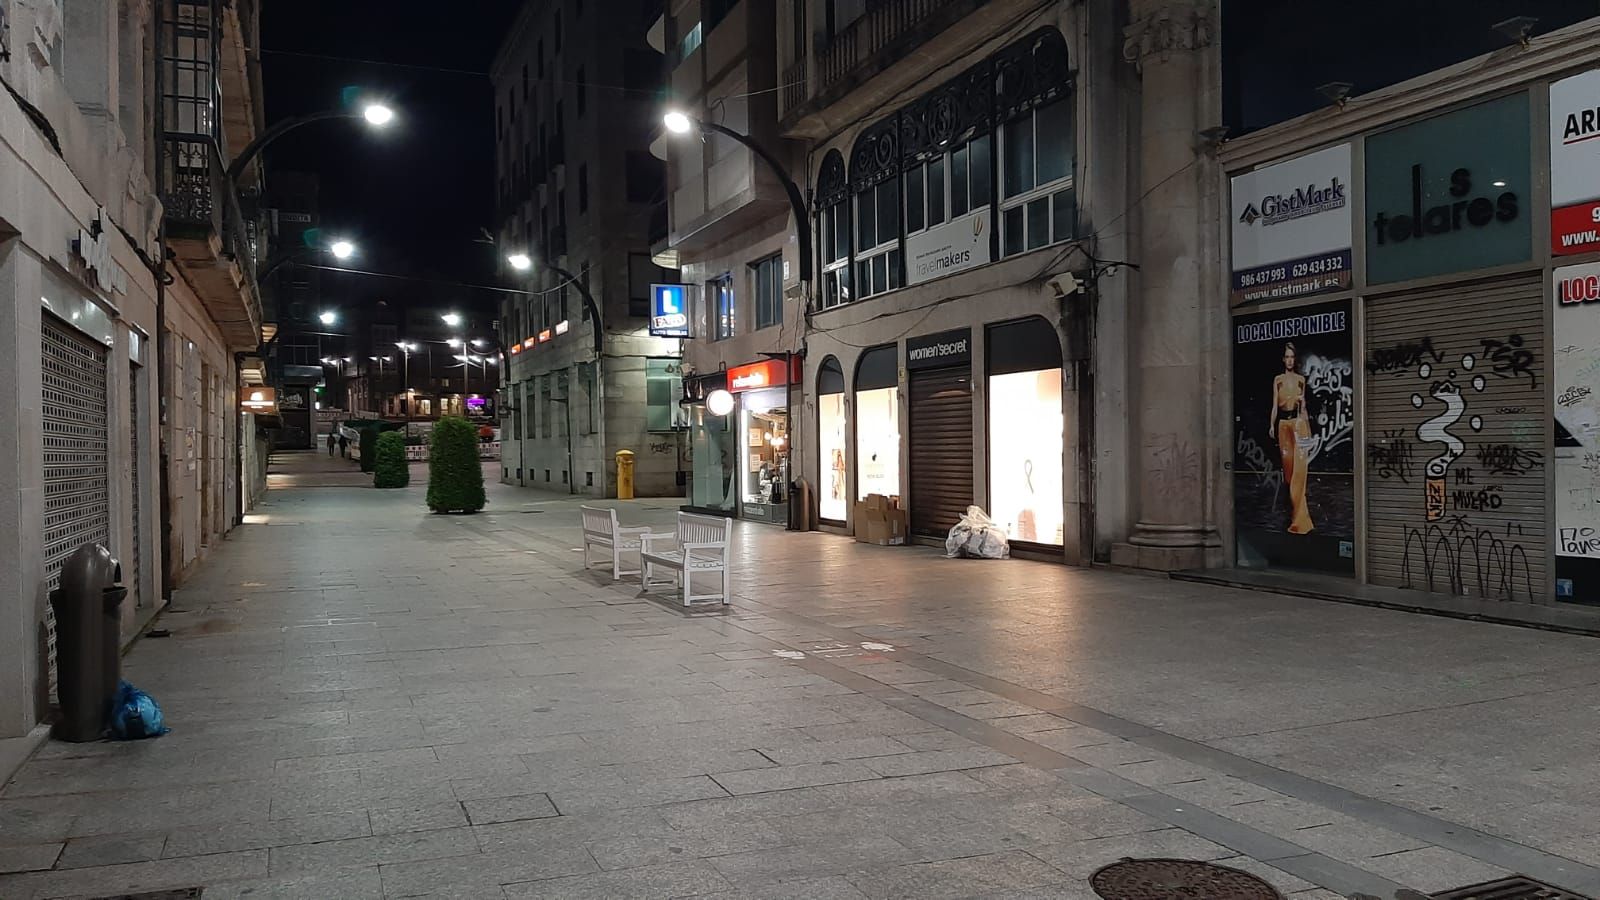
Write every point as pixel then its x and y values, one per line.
pixel 1174 384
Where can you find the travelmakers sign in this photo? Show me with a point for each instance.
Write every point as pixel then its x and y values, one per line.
pixel 1575 164
pixel 1292 228
pixel 957 245
pixel 947 348
pixel 1447 194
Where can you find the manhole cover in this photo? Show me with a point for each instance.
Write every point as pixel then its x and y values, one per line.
pixel 1178 879
pixel 1517 887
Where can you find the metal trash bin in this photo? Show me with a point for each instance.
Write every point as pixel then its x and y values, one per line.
pixel 88 610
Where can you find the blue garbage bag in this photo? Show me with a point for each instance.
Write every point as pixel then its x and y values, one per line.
pixel 135 715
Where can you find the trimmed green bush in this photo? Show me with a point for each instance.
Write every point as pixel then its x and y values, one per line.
pixel 369 446
pixel 390 469
pixel 455 476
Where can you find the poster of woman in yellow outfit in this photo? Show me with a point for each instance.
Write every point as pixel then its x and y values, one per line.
pixel 1291 428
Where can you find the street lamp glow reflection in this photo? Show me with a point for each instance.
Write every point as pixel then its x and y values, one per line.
pixel 520 261
pixel 342 249
pixel 719 403
pixel 677 122
pixel 377 114
pixel 451 319
pixel 328 318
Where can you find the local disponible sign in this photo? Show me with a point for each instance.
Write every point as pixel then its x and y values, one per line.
pixel 669 311
pixel 1575 164
pixel 1292 228
pixel 1448 194
pixel 937 351
pixel 1575 390
pixel 956 245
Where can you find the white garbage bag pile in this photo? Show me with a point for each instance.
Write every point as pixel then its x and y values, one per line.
pixel 976 535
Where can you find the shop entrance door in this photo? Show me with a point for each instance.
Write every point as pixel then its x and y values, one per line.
pixel 941 449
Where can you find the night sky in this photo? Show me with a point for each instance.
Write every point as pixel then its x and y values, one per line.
pixel 412 196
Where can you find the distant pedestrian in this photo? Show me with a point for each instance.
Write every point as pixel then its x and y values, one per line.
pixel 331 442
pixel 344 445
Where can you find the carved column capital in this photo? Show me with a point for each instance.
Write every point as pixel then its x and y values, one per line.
pixel 1162 28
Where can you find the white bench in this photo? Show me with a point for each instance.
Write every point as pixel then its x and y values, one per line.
pixel 702 549
pixel 601 529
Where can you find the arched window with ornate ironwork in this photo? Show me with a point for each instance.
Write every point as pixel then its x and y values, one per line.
pixel 875 193
pixel 947 158
pixel 1035 117
pixel 833 230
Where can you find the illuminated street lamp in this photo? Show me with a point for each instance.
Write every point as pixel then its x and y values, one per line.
pixel 342 249
pixel 451 319
pixel 328 318
pixel 375 114
pixel 681 123
pixel 522 262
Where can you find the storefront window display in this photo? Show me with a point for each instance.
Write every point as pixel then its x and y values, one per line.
pixel 1025 445
pixel 833 503
pixel 878 442
pixel 1026 431
pixel 877 422
pixel 712 444
pixel 764 451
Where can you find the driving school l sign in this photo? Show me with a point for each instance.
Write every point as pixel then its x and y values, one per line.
pixel 669 311
pixel 1292 228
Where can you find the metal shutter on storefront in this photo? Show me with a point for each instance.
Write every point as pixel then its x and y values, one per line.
pixel 1480 529
pixel 941 449
pixel 131 577
pixel 77 506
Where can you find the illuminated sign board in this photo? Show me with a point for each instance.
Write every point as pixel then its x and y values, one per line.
pixel 669 311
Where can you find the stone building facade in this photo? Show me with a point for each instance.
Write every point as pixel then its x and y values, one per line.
pixel 124 297
pixel 579 197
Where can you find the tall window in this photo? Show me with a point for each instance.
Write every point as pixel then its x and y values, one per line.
pixel 1037 200
pixel 583 92
pixel 690 42
pixel 546 383
pixel 723 307
pixel 948 186
pixel 766 277
pixel 836 255
pixel 878 263
pixel 663 385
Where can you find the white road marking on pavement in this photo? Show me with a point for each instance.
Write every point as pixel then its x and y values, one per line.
pixel 874 645
pixel 789 654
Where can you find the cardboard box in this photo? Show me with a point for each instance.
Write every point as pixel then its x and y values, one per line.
pixel 880 520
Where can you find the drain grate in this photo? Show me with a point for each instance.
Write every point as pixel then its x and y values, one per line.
pixel 1517 887
pixel 1178 879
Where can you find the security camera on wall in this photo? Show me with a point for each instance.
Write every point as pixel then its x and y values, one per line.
pixel 1064 285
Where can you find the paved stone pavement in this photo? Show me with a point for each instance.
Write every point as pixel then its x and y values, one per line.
pixel 368 701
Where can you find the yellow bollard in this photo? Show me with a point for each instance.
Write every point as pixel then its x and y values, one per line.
pixel 624 474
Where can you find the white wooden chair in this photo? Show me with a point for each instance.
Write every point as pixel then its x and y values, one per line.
pixel 702 549
pixel 601 529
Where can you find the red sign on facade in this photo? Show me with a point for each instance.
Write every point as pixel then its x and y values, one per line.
pixel 770 373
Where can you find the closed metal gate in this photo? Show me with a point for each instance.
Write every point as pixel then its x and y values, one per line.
pixel 77 505
pixel 1457 426
pixel 134 569
pixel 941 449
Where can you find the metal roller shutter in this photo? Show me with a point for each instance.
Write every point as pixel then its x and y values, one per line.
pixel 1457 426
pixel 941 449
pixel 77 505
pixel 132 578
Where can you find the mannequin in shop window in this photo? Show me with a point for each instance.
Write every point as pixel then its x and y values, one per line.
pixel 1291 426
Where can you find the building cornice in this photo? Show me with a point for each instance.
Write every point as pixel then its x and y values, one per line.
pixel 1552 55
